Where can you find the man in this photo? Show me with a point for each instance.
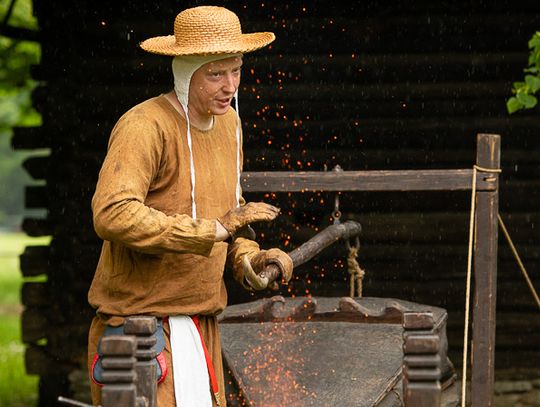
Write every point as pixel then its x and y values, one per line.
pixel 168 206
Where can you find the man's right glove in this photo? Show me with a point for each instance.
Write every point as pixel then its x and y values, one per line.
pixel 243 215
pixel 254 266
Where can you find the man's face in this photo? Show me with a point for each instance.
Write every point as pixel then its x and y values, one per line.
pixel 213 86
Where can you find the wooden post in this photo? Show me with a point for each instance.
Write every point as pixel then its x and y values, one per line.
pixel 144 329
pixel 118 371
pixel 485 273
pixel 421 361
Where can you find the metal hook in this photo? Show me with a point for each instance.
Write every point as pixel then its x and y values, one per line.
pixel 337 213
pixel 356 243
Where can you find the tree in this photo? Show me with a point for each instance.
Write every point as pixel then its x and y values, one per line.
pixel 16 86
pixel 525 90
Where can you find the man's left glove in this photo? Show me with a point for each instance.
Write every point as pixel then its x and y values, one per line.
pixel 243 215
pixel 258 262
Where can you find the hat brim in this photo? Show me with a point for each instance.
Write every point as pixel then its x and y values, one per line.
pixel 166 45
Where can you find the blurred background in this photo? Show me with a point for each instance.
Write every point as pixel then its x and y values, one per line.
pixel 16 85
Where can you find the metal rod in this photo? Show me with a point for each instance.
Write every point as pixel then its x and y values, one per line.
pixel 70 402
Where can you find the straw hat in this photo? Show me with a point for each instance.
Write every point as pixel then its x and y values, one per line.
pixel 207 30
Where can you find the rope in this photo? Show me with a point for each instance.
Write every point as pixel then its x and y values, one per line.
pixel 518 259
pixel 238 149
pixel 468 289
pixel 468 280
pixel 355 271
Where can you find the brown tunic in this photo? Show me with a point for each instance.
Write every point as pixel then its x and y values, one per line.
pixel 156 259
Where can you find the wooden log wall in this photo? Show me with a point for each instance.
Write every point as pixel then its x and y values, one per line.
pixel 365 85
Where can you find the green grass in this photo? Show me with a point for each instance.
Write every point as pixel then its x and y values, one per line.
pixel 16 388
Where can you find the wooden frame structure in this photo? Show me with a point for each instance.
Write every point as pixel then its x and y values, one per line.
pixel 127 357
pixel 485 249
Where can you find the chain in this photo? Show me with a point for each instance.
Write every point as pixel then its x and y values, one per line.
pixel 336 215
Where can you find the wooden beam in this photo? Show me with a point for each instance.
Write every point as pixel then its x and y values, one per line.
pixel 36 197
pixel 35 294
pixel 35 260
pixel 30 138
pixel 38 361
pixel 35 324
pixel 37 166
pixel 396 180
pixel 485 272
pixel 36 227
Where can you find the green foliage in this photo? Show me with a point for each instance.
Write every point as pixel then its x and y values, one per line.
pixel 16 57
pixel 16 86
pixel 17 389
pixel 525 90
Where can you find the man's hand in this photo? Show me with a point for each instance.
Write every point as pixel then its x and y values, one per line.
pixel 251 212
pixel 254 269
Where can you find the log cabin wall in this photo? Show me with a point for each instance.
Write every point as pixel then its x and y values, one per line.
pixel 363 85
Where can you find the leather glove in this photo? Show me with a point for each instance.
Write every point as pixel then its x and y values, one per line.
pixel 251 212
pixel 263 258
pixel 246 232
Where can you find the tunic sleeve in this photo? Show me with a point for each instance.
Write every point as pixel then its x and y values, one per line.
pixel 119 212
